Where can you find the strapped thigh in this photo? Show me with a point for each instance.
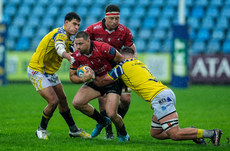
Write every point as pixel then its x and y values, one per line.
pixel 156 125
pixel 167 125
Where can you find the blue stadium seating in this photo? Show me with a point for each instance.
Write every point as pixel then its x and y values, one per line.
pixel 23 43
pixel 10 9
pixel 14 31
pixel 226 46
pixel 164 23
pixel 198 47
pixel 222 22
pixel 159 33
pixel 149 20
pixel 138 11
pixel 52 11
pixel 153 46
pixel 28 32
pixel 149 23
pixel 38 11
pixel 212 12
pixel 218 34
pixel 201 3
pixel 144 34
pixel 203 34
pixel 19 21
pixel 33 21
pixel 24 10
pixel 213 46
pixel 153 11
pixel 125 11
pixel 208 23
pixel 197 12
pixel 140 45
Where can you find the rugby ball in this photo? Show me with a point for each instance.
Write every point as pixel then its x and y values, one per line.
pixel 82 69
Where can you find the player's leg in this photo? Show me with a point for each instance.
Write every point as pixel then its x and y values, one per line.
pixel 164 109
pixel 125 101
pixel 66 114
pixel 108 128
pixel 45 89
pixel 81 102
pixel 156 130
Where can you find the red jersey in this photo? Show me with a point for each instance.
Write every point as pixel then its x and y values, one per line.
pixel 117 38
pixel 99 59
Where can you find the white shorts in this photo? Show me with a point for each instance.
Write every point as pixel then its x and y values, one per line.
pixel 164 104
pixel 41 81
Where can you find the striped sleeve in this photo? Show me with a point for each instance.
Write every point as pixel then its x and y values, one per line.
pixel 116 72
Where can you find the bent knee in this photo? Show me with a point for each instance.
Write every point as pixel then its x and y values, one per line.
pixel 112 115
pixel 77 104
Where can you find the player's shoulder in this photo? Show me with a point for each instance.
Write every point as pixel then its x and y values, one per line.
pixel 96 26
pixel 122 28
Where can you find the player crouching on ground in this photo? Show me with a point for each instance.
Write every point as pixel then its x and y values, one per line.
pixel 165 123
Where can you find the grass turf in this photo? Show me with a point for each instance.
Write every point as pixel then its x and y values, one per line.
pixel 21 108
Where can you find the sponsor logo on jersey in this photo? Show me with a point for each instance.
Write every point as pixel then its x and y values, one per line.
pixel 97 27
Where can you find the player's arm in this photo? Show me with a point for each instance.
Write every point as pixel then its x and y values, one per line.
pixel 118 57
pixel 103 80
pixel 110 77
pixel 74 78
pixel 60 47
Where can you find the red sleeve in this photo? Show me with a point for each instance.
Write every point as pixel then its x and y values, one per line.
pixel 89 30
pixel 128 38
pixel 108 51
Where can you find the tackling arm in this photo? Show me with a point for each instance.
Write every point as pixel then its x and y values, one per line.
pixel 60 47
pixel 118 58
pixel 103 80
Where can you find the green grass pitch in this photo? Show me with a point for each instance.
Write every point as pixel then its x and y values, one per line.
pixel 21 108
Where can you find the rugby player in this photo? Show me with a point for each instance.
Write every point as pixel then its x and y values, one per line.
pixel 42 69
pixel 97 55
pixel 164 123
pixel 109 30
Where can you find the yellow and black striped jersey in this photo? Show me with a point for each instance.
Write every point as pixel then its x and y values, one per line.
pixel 137 76
pixel 45 59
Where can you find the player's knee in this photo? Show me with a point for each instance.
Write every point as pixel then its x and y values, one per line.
pixel 77 104
pixel 126 98
pixel 111 114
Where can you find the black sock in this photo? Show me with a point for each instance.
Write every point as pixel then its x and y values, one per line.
pixel 98 117
pixel 108 128
pixel 122 111
pixel 44 121
pixel 122 130
pixel 69 120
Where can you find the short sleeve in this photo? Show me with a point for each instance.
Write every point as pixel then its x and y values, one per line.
pixel 60 37
pixel 108 51
pixel 116 72
pixel 128 38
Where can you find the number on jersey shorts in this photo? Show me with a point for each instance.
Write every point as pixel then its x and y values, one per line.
pixel 164 103
pixel 41 81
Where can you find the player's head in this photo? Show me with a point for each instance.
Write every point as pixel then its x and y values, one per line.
pixel 112 16
pixel 72 23
pixel 127 52
pixel 82 42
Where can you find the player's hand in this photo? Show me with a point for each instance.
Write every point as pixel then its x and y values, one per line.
pixel 71 60
pixel 88 75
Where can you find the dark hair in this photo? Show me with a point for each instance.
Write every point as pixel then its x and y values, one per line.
pixel 127 50
pixel 82 34
pixel 112 8
pixel 72 15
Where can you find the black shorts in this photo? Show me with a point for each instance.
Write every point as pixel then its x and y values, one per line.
pixel 115 87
